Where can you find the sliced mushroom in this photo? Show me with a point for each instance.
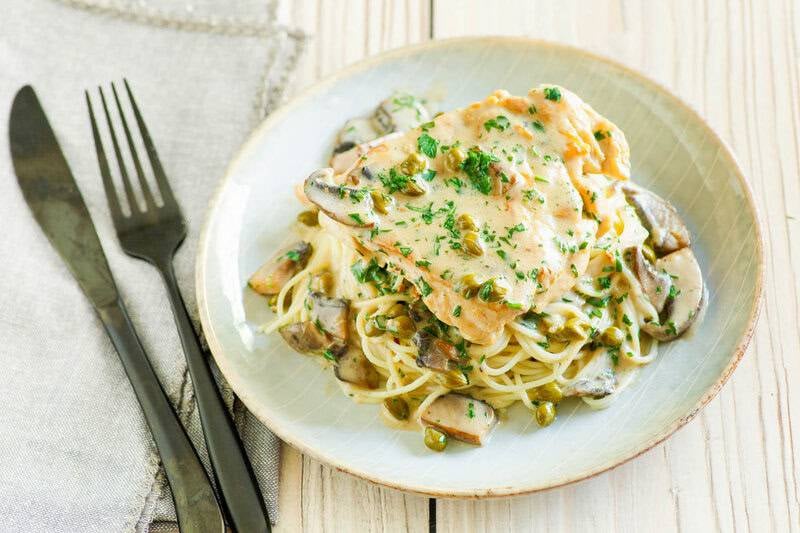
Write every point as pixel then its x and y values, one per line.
pixel 355 131
pixel 305 337
pixel 655 283
pixel 270 278
pixel 348 205
pixel 434 353
pixel 399 112
pixel 460 417
pixel 667 230
pixel 330 314
pixel 343 160
pixel 684 299
pixel 353 367
pixel 598 386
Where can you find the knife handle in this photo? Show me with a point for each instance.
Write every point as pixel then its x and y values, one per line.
pixel 195 504
pixel 240 493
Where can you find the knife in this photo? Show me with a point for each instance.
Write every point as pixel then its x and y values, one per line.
pixel 57 205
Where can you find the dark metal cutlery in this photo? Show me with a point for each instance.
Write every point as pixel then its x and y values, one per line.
pixel 56 202
pixel 153 233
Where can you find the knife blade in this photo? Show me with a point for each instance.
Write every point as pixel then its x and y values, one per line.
pixel 53 196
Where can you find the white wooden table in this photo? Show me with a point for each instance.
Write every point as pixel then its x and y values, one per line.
pixel 734 467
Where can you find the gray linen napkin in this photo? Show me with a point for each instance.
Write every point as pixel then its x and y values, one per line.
pixel 75 453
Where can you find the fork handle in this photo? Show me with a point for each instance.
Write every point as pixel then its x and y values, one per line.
pixel 195 504
pixel 241 496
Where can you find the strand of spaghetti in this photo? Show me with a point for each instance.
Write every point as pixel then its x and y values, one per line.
pixel 382 395
pixel 516 358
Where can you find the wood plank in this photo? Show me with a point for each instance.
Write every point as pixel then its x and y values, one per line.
pixel 313 496
pixel 734 467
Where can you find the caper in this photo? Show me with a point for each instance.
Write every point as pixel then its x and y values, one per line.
pixel 612 336
pixel 397 407
pixel 573 329
pixel 500 288
pixel 413 188
pixel 402 326
pixel 473 244
pixel 435 439
pixel 471 285
pixel 309 218
pixel 413 164
pixel 455 156
pixel 549 392
pixel 648 253
pixel 545 414
pixel 383 203
pixel 466 222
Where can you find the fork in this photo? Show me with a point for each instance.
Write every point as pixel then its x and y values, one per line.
pixel 153 233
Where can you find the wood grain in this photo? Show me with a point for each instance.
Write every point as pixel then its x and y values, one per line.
pixel 734 468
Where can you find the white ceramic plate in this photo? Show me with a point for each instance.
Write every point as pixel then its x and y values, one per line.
pixel 674 152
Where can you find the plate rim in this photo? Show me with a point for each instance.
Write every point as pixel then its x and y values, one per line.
pixel 263 415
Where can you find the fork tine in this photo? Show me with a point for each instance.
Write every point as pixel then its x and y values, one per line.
pixel 155 163
pixel 148 196
pixel 126 183
pixel 108 184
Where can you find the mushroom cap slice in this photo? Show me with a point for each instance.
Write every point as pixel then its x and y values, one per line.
pixel 348 205
pixel 598 386
pixel 434 353
pixel 355 131
pixel 270 278
pixel 667 231
pixel 305 337
pixel 353 367
pixel 399 112
pixel 330 314
pixel 684 299
pixel 346 155
pixel 655 283
pixel 460 417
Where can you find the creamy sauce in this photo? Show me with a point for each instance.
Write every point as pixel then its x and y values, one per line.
pixel 529 186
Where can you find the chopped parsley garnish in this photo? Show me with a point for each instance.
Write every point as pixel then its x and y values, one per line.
pixel 328 354
pixel 424 288
pixel 485 292
pixel 583 245
pixel 532 109
pixel 423 264
pixel 425 126
pixel 598 302
pixel 405 250
pixel 499 123
pixel 533 194
pixel 393 181
pixel 428 174
pixel 293 255
pixel 574 270
pixel 426 213
pixel 513 305
pixel 503 255
pixel 626 320
pixel 673 292
pixel 671 328
pixel 427 145
pixel 476 167
pixel 604 282
pixel 455 183
pixel 552 93
pixel 519 228
pixel 600 134
pixel 357 218
pixel 537 125
pixel 541 179
pixel 471 410
pixel 457 311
